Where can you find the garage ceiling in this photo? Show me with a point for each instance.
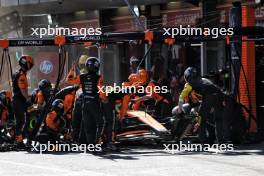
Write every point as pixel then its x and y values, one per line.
pixel 65 6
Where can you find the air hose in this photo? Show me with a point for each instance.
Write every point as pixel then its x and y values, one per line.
pixel 248 110
pixel 6 60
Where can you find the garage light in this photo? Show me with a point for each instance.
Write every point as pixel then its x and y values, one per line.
pixel 136 10
pixel 49 19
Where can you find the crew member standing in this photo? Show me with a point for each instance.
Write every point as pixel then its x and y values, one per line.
pixel 21 97
pixel 92 114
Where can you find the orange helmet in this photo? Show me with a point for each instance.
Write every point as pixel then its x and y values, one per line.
pixel 26 62
pixel 133 78
pixel 143 76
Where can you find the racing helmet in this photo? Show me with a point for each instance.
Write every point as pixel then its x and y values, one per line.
pixel 92 64
pixel 190 74
pixel 26 62
pixel 5 96
pixel 44 84
pixel 143 76
pixel 133 60
pixel 57 105
pixel 133 78
pixel 81 63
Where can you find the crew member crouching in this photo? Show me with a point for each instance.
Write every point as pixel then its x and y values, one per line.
pixel 212 99
pixel 56 123
pixel 43 93
pixel 6 115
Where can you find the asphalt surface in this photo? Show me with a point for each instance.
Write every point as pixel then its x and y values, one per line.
pixel 136 160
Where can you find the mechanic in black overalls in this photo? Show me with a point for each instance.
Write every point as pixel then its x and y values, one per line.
pixel 92 119
pixel 212 99
pixel 109 132
pixel 21 98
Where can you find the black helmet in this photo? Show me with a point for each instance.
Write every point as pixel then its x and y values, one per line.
pixel 92 64
pixel 2 97
pixel 57 105
pixel 44 84
pixel 26 62
pixel 190 74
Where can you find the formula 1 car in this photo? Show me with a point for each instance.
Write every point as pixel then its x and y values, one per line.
pixel 143 125
pixel 139 125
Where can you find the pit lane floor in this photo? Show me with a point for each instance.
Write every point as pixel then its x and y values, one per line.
pixel 136 160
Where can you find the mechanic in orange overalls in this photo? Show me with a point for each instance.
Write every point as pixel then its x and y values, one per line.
pixel 133 81
pixel 55 121
pixel 21 98
pixel 162 98
pixel 41 95
pixel 67 94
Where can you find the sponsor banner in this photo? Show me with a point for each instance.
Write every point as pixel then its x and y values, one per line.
pixel 224 14
pixel 189 16
pixel 94 23
pixel 128 24
pixel 259 13
pixel 27 42
pixel 47 64
pixel 181 17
